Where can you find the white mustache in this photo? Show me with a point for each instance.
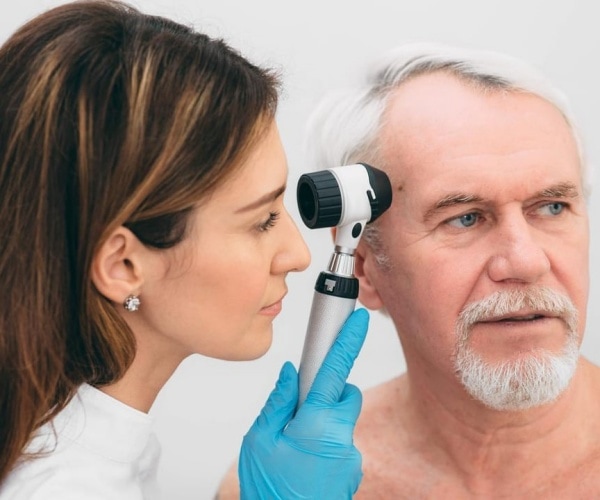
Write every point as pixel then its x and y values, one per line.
pixel 542 300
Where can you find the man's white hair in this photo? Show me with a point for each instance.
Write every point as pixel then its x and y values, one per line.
pixel 344 128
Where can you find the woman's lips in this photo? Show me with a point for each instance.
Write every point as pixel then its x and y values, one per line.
pixel 273 309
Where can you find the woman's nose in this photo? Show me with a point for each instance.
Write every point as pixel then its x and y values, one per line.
pixel 294 255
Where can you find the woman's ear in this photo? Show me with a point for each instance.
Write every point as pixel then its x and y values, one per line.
pixel 363 268
pixel 116 268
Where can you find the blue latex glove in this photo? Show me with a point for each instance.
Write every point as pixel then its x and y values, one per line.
pixel 310 454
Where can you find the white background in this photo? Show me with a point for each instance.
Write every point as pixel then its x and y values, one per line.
pixel 206 407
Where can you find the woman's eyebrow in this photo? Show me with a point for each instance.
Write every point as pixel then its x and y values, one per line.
pixel 263 200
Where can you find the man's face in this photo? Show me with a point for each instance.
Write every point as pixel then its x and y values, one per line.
pixel 488 198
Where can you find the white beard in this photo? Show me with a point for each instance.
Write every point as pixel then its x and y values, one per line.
pixel 528 382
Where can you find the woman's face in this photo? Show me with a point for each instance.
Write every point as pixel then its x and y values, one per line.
pixel 218 291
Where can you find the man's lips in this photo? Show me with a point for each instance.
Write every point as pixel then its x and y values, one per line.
pixel 520 317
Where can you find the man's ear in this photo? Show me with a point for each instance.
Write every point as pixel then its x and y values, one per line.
pixel 116 267
pixel 364 263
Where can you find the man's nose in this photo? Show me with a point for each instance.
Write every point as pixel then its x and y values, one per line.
pixel 518 254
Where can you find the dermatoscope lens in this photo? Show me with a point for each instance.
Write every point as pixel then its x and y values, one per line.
pixel 306 201
pixel 319 199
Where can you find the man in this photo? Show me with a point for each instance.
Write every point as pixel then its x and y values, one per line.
pixel 482 264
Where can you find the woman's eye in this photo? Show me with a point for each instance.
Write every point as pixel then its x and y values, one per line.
pixel 269 223
pixel 466 220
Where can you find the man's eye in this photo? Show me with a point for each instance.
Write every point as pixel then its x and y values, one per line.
pixel 554 208
pixel 466 220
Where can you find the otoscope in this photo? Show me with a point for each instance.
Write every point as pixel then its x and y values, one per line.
pixel 347 197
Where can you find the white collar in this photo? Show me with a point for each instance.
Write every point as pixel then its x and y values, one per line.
pixel 100 423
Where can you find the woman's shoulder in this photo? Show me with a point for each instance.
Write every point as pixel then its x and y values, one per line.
pixel 91 449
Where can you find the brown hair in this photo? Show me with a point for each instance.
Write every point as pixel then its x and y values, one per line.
pixel 108 117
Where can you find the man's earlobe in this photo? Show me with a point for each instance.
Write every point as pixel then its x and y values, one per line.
pixel 116 269
pixel 364 263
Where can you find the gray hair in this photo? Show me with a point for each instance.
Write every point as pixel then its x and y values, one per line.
pixel 344 128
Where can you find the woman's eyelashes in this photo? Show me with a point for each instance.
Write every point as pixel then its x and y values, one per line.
pixel 269 222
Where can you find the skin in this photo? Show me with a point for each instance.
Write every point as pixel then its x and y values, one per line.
pixel 502 208
pixel 487 196
pixel 218 291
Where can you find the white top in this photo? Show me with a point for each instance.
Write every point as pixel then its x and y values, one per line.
pixel 97 449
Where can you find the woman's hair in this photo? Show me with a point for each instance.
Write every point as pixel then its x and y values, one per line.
pixel 108 117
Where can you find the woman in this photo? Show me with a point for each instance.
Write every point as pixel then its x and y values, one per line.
pixel 141 207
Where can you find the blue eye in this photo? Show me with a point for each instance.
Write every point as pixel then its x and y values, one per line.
pixel 555 208
pixel 269 223
pixel 466 220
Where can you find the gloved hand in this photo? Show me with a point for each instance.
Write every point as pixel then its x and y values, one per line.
pixel 310 454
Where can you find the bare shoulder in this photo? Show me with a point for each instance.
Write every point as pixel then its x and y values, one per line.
pixel 381 405
pixel 381 436
pixel 229 489
pixel 592 370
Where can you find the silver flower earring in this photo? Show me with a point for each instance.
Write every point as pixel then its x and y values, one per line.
pixel 132 303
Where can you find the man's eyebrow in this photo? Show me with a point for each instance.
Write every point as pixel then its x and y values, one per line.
pixel 560 190
pixel 451 200
pixel 263 200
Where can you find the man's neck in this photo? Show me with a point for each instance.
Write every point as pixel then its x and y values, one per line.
pixel 415 444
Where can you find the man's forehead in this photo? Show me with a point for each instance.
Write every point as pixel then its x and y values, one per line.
pixel 473 135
